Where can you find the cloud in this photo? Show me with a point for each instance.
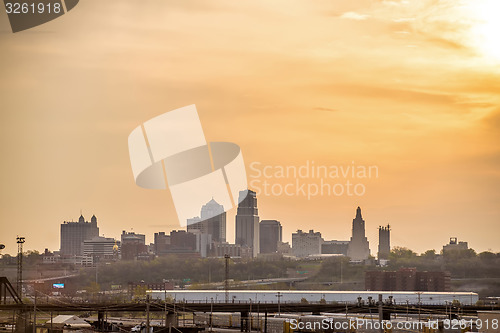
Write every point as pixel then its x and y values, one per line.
pixel 492 120
pixel 354 16
pixel 319 108
pixel 394 3
pixel 404 19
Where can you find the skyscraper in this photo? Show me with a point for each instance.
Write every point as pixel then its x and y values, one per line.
pixel 359 248
pixel 212 221
pixel 270 232
pixel 247 222
pixel 73 234
pixel 384 242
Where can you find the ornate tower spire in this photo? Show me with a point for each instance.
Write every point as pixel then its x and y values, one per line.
pixel 358 213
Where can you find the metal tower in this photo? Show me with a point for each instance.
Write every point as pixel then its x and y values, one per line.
pixel 20 242
pixel 226 282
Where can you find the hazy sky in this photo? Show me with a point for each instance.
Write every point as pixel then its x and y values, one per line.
pixel 411 87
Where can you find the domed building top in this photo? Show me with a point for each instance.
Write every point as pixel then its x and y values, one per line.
pixel 211 209
pixel 81 219
pixel 93 219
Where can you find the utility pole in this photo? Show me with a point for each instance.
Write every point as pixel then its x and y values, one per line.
pixel 20 242
pixel 147 313
pixel 340 270
pixel 211 311
pixel 226 282
pixel 380 312
pixel 279 304
pixel 165 300
pixel 34 312
pixel 250 315
pixel 419 293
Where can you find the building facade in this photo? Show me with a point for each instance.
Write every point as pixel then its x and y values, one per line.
pixel 359 248
pixel 455 245
pixel 73 234
pixel 407 279
pixel 306 243
pixel 101 248
pixel 334 247
pixel 133 245
pixel 247 222
pixel 221 249
pixel 270 232
pixel 161 242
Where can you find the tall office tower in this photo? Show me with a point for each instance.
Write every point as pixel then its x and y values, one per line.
pixel 212 221
pixel 270 232
pixel 73 234
pixel 384 242
pixel 359 248
pixel 247 222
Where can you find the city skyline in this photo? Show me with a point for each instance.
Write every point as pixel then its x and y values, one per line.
pixel 410 87
pixel 356 252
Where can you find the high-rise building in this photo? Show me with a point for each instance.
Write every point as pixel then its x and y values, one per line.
pixel 384 242
pixel 247 222
pixel 221 249
pixel 359 248
pixel 132 237
pixel 101 248
pixel 455 245
pixel 133 245
pixel 306 243
pixel 162 242
pixel 73 234
pixel 270 232
pixel 212 221
pixel 335 247
pixel 182 241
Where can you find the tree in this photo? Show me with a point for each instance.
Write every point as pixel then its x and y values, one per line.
pixel 429 254
pixel 399 252
pixel 487 256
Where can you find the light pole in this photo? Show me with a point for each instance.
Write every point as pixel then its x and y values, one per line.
pixel 211 311
pixel 279 305
pixel 419 293
pixel 250 315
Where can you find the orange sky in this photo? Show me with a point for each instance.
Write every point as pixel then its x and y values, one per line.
pixel 411 87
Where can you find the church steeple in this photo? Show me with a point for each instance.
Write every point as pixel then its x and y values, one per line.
pixel 93 219
pixel 81 219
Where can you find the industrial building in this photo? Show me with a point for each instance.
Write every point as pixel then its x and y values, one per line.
pixel 292 296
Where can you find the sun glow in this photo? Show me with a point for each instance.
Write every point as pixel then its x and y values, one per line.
pixel 485 30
